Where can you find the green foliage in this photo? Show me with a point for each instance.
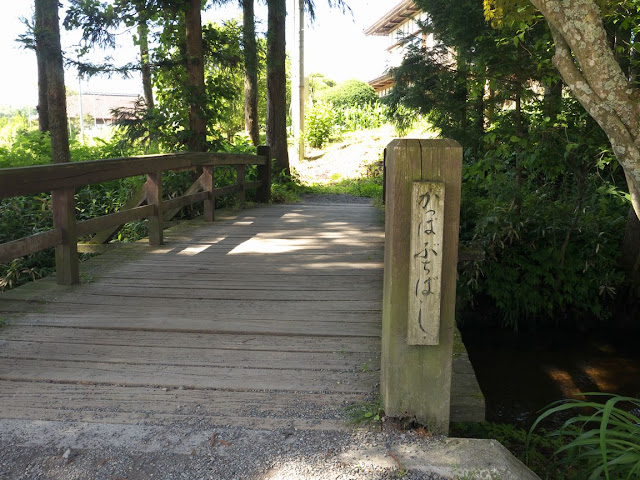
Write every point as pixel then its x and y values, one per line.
pixel 286 188
pixel 366 412
pixel 602 439
pixel 543 197
pixel 369 185
pixel 319 83
pixel 350 93
pixel 319 124
pixel 361 117
pixel 168 123
pixel 324 120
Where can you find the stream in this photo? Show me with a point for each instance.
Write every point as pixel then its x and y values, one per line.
pixel 522 373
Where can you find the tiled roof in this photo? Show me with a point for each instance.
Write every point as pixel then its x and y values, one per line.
pixel 99 105
pixel 398 15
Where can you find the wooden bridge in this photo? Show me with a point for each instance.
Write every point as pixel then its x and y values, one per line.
pixel 269 317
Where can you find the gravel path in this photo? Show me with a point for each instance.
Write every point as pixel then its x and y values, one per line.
pixel 197 452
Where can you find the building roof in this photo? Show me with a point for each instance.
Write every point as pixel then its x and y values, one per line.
pixel 99 105
pixel 383 82
pixel 396 16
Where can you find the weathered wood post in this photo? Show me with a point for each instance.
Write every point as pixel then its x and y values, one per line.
pixel 208 186
pixel 154 197
pixel 240 175
pixel 64 219
pixel 264 175
pixel 421 249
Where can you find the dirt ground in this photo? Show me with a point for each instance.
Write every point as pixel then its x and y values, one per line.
pixel 347 158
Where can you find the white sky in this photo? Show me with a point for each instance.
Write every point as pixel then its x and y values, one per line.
pixel 335 46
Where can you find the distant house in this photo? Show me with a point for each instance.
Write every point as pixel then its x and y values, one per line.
pixel 400 25
pixel 98 107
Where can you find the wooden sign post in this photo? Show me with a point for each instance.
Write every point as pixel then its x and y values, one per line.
pixel 423 180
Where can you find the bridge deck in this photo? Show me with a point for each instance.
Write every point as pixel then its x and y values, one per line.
pixel 267 319
pixel 270 318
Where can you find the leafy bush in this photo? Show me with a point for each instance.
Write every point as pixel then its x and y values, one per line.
pixel 602 439
pixel 361 117
pixel 319 124
pixel 350 93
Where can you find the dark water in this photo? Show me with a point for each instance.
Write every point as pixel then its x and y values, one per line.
pixel 521 374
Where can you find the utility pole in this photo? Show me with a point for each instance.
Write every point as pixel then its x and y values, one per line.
pixel 298 99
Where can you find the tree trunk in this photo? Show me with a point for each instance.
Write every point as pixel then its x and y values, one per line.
pixel 43 99
pixel 57 100
pixel 145 66
pixel 276 84
pixel 195 71
pixel 588 66
pixel 250 72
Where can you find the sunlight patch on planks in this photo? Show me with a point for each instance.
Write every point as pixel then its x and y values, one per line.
pixel 268 319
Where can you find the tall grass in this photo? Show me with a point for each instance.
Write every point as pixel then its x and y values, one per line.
pixel 602 439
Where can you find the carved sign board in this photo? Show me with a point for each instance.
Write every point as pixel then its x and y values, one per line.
pixel 425 276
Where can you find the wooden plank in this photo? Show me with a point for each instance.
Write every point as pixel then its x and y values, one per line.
pixel 425 262
pixel 249 325
pixel 87 336
pixel 180 356
pixel 137 199
pixel 107 222
pixel 191 377
pixel 44 178
pixel 228 190
pixel 369 281
pixel 181 202
pixel 252 185
pixel 135 315
pixel 170 211
pixel 185 402
pixel 174 292
pixel 28 245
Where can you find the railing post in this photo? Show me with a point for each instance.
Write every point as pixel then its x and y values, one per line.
pixel 263 193
pixel 64 219
pixel 154 197
pixel 240 170
pixel 208 185
pixel 418 312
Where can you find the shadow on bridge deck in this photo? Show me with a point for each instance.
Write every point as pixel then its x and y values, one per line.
pixel 268 318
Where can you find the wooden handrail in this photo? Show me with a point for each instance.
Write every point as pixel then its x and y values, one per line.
pixel 19 181
pixel 62 180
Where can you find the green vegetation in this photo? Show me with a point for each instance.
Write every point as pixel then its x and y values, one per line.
pixel 366 412
pixel 602 440
pixel 319 124
pixel 543 196
pixel 326 121
pixel 351 93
